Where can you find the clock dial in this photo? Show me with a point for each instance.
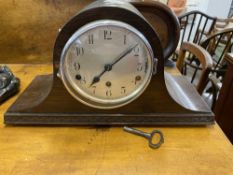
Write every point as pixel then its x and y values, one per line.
pixel 106 64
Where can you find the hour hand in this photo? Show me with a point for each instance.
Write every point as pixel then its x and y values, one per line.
pixel 95 80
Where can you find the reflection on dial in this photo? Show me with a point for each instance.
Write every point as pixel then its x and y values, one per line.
pixel 107 64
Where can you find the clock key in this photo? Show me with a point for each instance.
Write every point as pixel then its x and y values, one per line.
pixel 148 136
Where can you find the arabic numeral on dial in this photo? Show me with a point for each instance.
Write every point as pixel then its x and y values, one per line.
pixel 139 67
pixel 146 67
pixel 125 41
pixel 83 80
pixel 137 79
pixel 77 66
pixel 136 51
pixel 93 89
pixel 108 93
pixel 79 51
pixel 123 90
pixel 91 39
pixel 107 35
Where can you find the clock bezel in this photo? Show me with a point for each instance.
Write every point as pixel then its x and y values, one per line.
pixel 87 99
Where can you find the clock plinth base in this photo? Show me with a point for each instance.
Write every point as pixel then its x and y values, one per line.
pixel 44 104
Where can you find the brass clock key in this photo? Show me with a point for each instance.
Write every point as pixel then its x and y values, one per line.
pixel 148 136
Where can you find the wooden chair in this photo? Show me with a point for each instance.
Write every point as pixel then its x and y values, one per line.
pixel 215 46
pixel 222 24
pixel 202 55
pixel 194 25
pixel 218 44
pixel 216 85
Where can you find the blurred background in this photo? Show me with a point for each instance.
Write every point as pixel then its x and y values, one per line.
pixel 28 28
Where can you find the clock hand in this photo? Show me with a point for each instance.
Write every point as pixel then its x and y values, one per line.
pixel 122 55
pixel 96 79
pixel 108 67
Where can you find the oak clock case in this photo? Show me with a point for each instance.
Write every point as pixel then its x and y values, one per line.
pixel 109 70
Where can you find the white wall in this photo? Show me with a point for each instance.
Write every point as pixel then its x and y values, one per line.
pixel 217 8
pixel 201 5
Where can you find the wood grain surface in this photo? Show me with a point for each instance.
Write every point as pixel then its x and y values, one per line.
pixel 108 150
pixel 29 28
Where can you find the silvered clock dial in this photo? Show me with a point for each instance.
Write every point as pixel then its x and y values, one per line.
pixel 106 64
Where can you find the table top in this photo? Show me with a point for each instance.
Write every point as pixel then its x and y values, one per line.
pixel 108 150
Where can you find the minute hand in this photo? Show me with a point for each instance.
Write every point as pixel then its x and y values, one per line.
pixel 122 55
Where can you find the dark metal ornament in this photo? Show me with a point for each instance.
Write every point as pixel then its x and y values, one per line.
pixel 52 104
pixel 9 84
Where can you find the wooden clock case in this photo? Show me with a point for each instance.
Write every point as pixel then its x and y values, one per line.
pixel 168 100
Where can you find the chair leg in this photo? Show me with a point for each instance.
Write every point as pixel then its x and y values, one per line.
pixel 185 69
pixel 214 93
pixel 194 75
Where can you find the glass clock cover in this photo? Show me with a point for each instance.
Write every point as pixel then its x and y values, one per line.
pixel 106 64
